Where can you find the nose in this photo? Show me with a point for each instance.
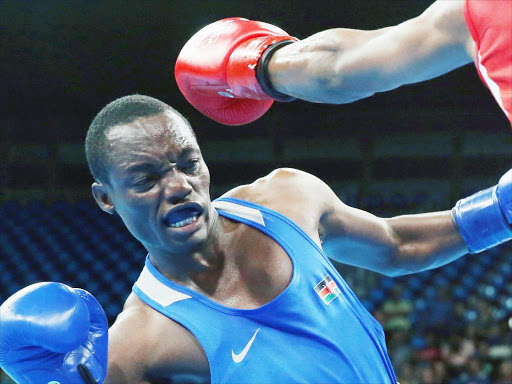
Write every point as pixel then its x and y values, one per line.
pixel 177 187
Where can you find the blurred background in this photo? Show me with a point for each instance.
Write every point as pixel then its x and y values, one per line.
pixel 415 149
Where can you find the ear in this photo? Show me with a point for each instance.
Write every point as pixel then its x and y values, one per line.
pixel 100 193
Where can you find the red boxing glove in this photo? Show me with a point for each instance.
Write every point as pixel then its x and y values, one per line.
pixel 221 70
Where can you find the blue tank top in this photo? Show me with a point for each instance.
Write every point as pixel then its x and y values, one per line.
pixel 315 331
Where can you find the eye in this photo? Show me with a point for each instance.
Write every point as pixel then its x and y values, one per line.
pixel 141 181
pixel 191 165
pixel 145 181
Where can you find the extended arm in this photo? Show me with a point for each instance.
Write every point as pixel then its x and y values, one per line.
pixel 396 246
pixel 232 69
pixel 413 243
pixel 343 65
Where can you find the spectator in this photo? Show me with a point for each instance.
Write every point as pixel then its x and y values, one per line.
pixel 397 310
pixel 456 352
pixel 399 350
pixel 432 349
pixel 406 374
pixel 504 373
pixel 427 375
pixel 440 371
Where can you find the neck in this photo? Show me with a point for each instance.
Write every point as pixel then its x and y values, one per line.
pixel 184 267
pixel 199 268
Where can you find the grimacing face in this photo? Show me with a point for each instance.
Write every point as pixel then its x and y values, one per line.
pixel 158 183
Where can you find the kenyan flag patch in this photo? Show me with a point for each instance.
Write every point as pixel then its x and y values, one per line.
pixel 327 290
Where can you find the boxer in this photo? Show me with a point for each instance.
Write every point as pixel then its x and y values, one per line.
pixel 238 290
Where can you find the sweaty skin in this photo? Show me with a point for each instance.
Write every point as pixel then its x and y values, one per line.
pixel 227 261
pixel 344 65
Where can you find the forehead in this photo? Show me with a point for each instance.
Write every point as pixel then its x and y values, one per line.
pixel 153 136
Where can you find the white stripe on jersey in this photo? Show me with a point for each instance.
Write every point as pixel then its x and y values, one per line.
pixel 157 290
pixel 495 89
pixel 240 210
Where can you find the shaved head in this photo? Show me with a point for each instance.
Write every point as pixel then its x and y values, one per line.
pixel 123 111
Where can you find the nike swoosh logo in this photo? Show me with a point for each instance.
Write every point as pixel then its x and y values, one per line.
pixel 238 358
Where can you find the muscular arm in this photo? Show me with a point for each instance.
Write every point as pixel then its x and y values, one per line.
pixel 395 246
pixel 343 65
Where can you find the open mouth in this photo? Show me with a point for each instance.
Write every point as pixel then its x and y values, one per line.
pixel 183 215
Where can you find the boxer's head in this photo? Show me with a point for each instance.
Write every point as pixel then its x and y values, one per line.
pixel 148 168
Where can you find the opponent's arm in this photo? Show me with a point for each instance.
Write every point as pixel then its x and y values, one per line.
pixel 413 243
pixel 344 65
pixel 233 69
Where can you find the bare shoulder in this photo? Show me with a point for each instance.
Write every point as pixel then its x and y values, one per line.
pixel 137 353
pixel 279 186
pixel 298 195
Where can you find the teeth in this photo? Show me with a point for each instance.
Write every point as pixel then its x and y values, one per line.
pixel 182 223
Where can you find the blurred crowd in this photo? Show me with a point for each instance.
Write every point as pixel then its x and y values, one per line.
pixel 447 341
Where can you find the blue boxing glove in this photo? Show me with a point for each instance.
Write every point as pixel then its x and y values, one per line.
pixel 484 218
pixel 53 334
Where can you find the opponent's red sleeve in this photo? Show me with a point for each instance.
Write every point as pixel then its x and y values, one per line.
pixel 490 25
